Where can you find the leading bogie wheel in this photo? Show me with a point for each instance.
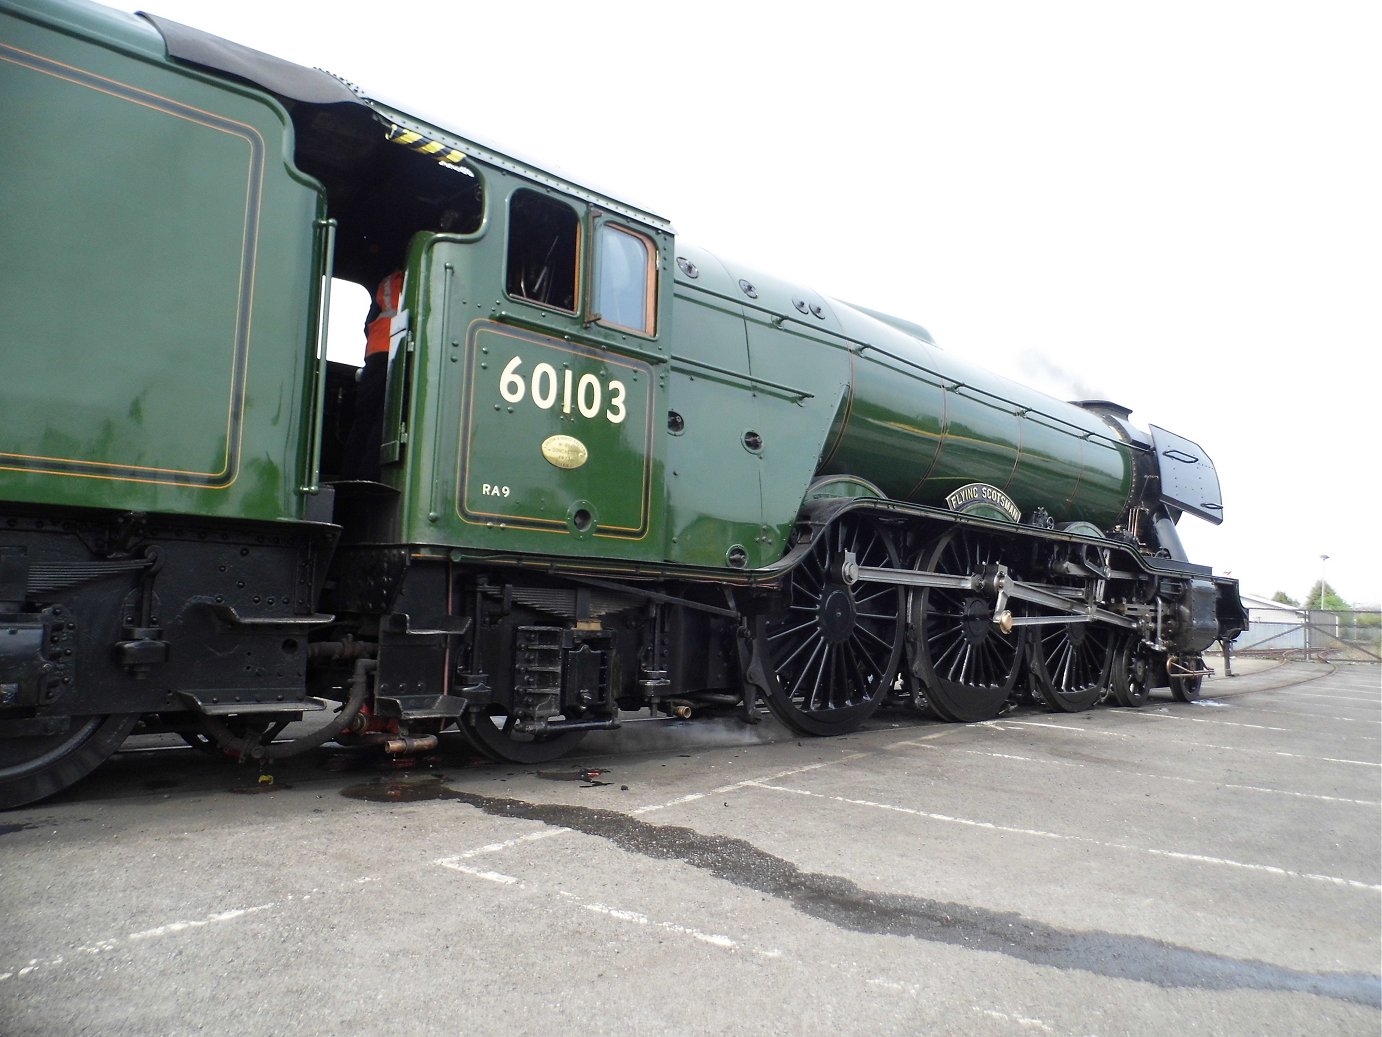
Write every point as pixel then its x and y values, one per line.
pixel 1131 679
pixel 1185 683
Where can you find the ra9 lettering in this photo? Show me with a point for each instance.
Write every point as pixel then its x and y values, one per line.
pixel 549 388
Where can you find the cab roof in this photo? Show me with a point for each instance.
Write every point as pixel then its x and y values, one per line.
pixel 298 87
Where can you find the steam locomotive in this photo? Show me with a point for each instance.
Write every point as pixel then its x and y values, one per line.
pixel 609 476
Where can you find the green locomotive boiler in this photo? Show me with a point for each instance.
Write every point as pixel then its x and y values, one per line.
pixel 605 475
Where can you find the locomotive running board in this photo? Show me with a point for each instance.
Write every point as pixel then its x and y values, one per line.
pixel 235 707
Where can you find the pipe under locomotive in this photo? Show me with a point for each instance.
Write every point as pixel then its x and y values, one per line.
pixel 608 476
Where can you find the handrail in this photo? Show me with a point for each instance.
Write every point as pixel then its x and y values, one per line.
pixel 679 360
pixel 326 245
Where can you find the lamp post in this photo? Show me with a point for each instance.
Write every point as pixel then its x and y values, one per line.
pixel 1323 559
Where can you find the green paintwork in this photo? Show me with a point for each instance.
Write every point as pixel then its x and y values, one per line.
pixel 490 380
pixel 520 392
pixel 714 491
pixel 765 399
pixel 163 292
pixel 922 423
pixel 156 279
pixel 835 391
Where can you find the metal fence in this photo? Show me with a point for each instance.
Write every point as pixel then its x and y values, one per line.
pixel 1345 636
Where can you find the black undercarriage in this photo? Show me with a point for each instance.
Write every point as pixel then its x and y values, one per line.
pixel 227 632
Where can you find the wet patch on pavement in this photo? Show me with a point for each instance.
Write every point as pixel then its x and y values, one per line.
pixel 842 903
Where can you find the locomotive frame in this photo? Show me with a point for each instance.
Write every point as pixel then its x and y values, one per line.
pixel 616 475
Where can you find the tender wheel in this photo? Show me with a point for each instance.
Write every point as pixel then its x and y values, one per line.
pixel 1072 664
pixel 968 666
pixel 837 648
pixel 32 768
pixel 1131 680
pixel 496 735
pixel 1186 689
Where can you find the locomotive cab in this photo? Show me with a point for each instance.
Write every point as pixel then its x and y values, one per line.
pixel 491 260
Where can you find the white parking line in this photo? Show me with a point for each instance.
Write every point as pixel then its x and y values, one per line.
pixel 1157 715
pixel 637 918
pixel 992 826
pixel 1161 715
pixel 1308 716
pixel 102 946
pixel 1358 700
pixel 789 773
pixel 480 873
pixel 1026 1022
pixel 1371 804
pixel 669 804
pixel 1007 725
pixel 738 945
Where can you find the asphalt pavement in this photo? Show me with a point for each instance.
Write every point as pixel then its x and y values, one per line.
pixel 1207 868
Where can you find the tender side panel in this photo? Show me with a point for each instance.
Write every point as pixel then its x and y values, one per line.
pixel 155 276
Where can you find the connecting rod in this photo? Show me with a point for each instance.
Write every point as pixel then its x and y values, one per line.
pixel 995 582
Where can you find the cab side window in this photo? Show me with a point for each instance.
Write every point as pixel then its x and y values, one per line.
pixel 544 243
pixel 625 289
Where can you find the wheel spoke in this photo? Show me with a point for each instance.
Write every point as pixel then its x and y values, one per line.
pixel 804 642
pixel 798 688
pixel 799 628
pixel 881 642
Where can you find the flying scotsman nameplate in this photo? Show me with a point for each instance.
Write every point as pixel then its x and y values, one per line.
pixel 979 498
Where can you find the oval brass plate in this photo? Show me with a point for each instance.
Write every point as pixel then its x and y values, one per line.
pixel 565 451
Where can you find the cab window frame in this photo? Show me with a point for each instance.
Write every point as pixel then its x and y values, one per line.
pixel 604 225
pixel 514 279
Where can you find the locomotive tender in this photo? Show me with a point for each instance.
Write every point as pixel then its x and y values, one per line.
pixel 616 476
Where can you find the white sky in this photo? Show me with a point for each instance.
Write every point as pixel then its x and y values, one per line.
pixel 1175 206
